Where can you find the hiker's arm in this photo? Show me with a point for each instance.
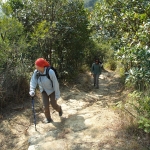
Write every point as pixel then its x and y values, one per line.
pixel 33 82
pixel 55 84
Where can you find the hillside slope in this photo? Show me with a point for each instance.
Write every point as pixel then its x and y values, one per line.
pixel 90 120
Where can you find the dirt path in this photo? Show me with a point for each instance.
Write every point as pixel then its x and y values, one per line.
pixel 90 121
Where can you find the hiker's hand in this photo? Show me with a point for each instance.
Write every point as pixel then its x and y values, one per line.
pixel 32 93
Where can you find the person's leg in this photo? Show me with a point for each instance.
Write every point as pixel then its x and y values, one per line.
pixel 97 80
pixel 45 99
pixel 94 79
pixel 54 104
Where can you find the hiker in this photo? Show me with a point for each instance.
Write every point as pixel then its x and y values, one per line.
pixel 96 71
pixel 49 88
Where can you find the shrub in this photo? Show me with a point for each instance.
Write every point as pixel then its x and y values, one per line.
pixel 14 84
pixel 111 64
pixel 141 103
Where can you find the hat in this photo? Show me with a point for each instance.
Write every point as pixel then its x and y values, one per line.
pixel 41 62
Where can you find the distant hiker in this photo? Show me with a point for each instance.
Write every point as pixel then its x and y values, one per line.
pixel 96 71
pixel 49 87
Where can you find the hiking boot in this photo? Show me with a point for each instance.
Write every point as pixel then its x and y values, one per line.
pixel 48 120
pixel 61 112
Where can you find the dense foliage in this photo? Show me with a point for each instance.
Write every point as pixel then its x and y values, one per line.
pixel 55 30
pixel 125 25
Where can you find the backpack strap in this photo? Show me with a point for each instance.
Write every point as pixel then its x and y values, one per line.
pixel 47 74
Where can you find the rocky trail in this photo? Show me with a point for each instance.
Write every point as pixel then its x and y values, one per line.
pixel 90 120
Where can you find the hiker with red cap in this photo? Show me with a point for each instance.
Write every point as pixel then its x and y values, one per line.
pixel 48 87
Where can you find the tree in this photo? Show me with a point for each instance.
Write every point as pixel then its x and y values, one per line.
pixel 123 23
pixel 73 36
pixel 13 66
pixel 58 32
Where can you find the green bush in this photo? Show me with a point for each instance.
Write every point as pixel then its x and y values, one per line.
pixel 111 64
pixel 14 83
pixel 141 103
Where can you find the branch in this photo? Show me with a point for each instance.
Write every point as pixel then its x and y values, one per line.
pixel 130 113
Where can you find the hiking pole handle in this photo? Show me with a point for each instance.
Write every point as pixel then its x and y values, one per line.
pixel 33 110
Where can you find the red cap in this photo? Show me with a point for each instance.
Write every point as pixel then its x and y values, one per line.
pixel 41 62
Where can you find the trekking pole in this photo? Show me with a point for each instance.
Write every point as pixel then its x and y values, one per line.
pixel 33 110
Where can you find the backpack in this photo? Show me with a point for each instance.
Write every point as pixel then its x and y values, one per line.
pixel 47 73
